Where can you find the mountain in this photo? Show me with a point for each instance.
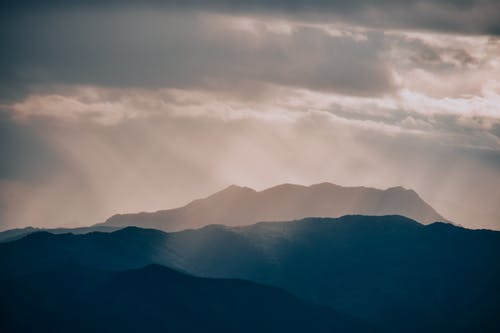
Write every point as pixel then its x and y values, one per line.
pixel 74 298
pixel 13 234
pixel 235 206
pixel 390 271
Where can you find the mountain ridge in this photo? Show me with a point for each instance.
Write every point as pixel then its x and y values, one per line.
pixel 390 271
pixel 76 298
pixel 14 234
pixel 237 205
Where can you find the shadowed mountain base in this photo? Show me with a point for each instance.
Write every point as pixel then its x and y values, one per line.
pixel 73 298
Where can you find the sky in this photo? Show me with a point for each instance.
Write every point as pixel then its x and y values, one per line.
pixel 124 106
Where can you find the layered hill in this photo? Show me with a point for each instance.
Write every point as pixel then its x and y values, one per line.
pixel 13 234
pixel 390 271
pixel 74 298
pixel 236 206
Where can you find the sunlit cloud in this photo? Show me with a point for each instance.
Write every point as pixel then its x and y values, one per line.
pixel 408 111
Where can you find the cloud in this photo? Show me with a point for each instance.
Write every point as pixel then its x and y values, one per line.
pixel 459 16
pixel 468 121
pixel 444 65
pixel 49 51
pixel 171 50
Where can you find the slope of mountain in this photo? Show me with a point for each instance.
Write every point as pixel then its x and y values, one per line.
pixel 13 234
pixel 237 206
pixel 73 298
pixel 391 271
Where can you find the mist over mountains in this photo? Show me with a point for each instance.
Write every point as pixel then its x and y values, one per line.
pixel 390 272
pixel 395 266
pixel 237 205
pixel 122 123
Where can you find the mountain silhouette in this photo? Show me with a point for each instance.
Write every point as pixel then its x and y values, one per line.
pixel 13 234
pixel 235 206
pixel 390 271
pixel 74 298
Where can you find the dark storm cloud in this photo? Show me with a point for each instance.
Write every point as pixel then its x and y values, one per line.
pixel 46 45
pixel 149 50
pixel 469 16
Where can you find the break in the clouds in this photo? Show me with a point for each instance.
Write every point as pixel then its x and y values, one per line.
pixel 126 106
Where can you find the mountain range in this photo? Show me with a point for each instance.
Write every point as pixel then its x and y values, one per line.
pixel 74 298
pixel 236 206
pixel 389 272
pixel 13 234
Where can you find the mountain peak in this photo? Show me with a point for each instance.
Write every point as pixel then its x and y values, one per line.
pixel 232 191
pixel 284 187
pixel 236 188
pixel 326 185
pixel 400 189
